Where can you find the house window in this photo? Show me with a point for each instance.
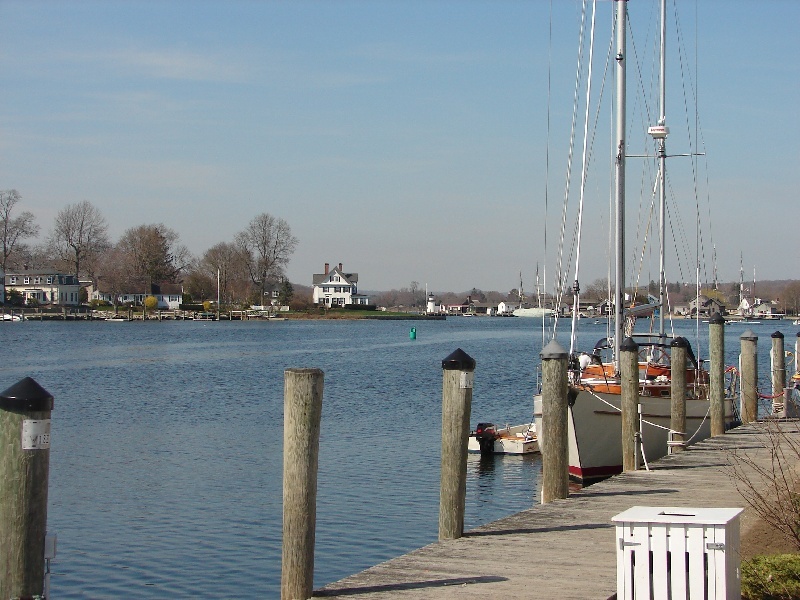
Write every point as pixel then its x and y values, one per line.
pixel 50 279
pixel 37 280
pixel 12 280
pixel 26 281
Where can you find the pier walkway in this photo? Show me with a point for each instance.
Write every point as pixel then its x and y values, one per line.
pixel 565 549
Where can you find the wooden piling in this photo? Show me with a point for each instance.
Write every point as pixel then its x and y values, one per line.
pixel 554 436
pixel 457 377
pixel 629 383
pixel 677 422
pixel 24 472
pixel 748 368
pixel 716 389
pixel 778 366
pixel 301 427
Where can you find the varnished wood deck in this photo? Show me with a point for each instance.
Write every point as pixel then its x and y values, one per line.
pixel 565 549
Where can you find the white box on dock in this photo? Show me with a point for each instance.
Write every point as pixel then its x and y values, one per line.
pixel 678 553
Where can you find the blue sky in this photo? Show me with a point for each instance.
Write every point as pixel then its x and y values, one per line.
pixel 407 140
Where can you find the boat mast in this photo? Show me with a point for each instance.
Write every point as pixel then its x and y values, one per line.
pixel 662 163
pixel 619 274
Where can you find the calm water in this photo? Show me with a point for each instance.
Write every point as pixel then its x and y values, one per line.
pixel 166 456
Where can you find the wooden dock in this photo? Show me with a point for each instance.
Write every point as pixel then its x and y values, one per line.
pixel 565 549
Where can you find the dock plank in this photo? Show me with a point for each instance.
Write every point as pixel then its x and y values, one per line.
pixel 565 549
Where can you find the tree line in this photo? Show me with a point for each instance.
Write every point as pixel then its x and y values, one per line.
pixel 78 243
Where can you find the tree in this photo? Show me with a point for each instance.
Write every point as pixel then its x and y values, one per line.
pixel 267 244
pixel 80 234
pixel 154 252
pixel 14 229
pixel 286 293
pixel 116 276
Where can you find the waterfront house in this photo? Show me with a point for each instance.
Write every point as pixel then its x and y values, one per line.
pixel 168 295
pixel 507 307
pixel 705 306
pixel 334 288
pixel 44 286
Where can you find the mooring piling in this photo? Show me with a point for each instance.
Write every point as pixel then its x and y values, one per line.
pixel 716 391
pixel 302 400
pixel 677 421
pixel 748 368
pixel 553 439
pixel 25 410
pixel 458 370
pixel 629 403
pixel 778 367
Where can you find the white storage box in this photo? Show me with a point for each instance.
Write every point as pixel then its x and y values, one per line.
pixel 678 553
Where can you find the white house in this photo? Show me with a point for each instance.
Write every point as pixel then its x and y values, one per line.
pixel 45 287
pixel 169 295
pixel 334 287
pixel 507 307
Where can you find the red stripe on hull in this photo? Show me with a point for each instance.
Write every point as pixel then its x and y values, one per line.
pixel 592 474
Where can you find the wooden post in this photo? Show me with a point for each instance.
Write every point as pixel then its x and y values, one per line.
pixel 778 374
pixel 554 437
pixel 677 422
pixel 24 471
pixel 748 368
pixel 302 398
pixel 629 403
pixel 716 390
pixel 457 377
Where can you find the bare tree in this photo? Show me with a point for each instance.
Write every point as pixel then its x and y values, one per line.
pixel 116 276
pixel 80 234
pixel 14 229
pixel 230 261
pixel 154 252
pixel 267 244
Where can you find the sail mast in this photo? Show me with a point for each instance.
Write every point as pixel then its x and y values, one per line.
pixel 619 274
pixel 662 160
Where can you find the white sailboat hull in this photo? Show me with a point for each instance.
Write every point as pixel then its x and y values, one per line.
pixel 535 312
pixel 595 431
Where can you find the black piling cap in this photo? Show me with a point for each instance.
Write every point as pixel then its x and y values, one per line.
pixel 680 342
pixel 26 395
pixel 716 319
pixel 458 361
pixel 777 335
pixel 629 345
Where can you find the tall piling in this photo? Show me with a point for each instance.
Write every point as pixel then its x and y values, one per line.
pixel 677 421
pixel 716 388
pixel 302 412
pixel 748 369
pixel 554 437
pixel 629 383
pixel 25 411
pixel 778 367
pixel 458 370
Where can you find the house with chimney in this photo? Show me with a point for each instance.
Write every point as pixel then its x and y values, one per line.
pixel 336 288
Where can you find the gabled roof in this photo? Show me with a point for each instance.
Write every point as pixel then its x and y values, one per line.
pixel 320 278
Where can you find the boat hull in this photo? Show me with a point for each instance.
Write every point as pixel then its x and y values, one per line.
pixel 595 430
pixel 534 312
pixel 518 439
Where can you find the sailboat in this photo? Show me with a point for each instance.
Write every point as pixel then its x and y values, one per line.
pixel 594 421
pixel 538 311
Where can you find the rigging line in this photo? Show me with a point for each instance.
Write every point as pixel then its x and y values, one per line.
pixel 584 167
pixel 579 69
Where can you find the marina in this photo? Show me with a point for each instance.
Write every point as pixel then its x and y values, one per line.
pixel 166 442
pixel 567 548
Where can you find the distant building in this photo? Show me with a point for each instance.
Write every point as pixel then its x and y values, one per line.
pixel 168 295
pixel 44 286
pixel 334 287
